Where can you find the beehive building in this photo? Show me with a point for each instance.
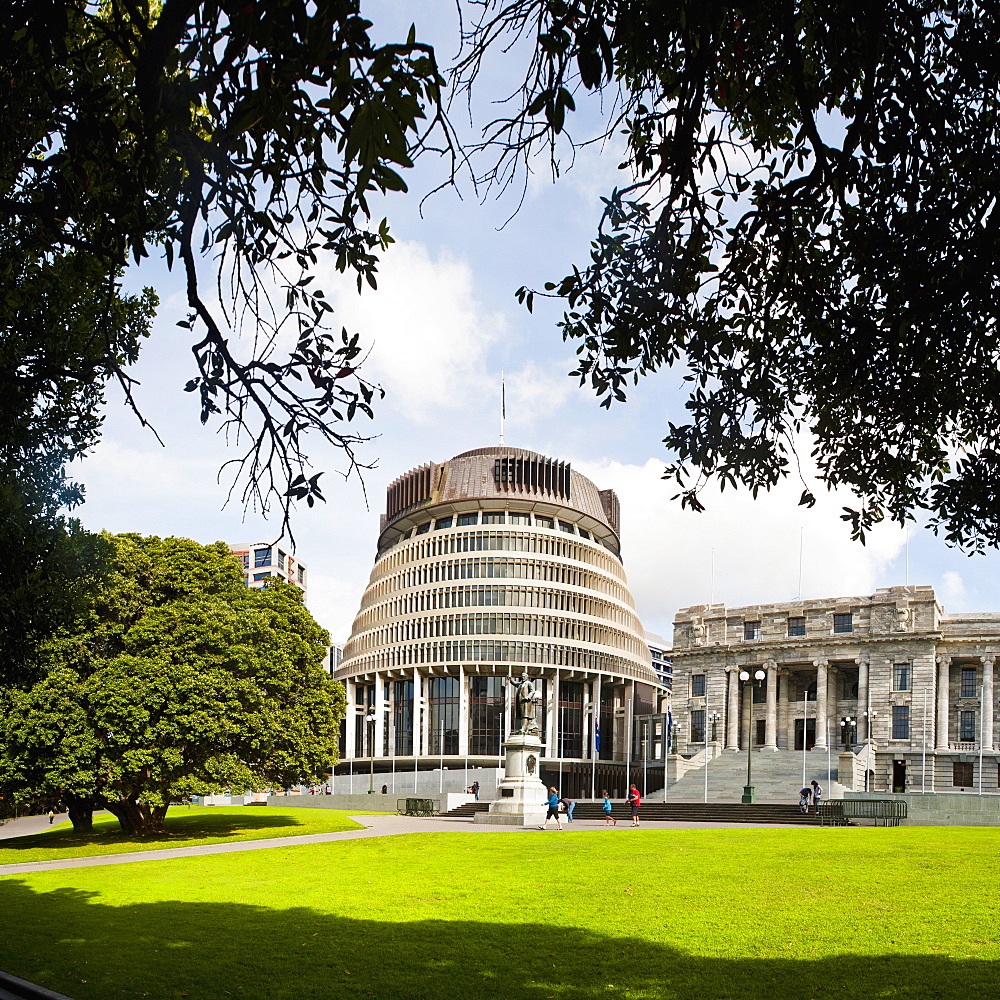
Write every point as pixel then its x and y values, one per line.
pixel 498 561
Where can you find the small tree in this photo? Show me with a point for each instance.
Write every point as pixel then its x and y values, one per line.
pixel 176 679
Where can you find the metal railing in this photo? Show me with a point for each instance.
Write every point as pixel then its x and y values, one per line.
pixel 837 812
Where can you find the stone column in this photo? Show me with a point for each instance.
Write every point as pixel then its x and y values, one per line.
pixel 832 721
pixel 987 706
pixel 790 679
pixel 821 700
pixel 771 718
pixel 733 711
pixel 864 729
pixel 941 726
pixel 596 721
pixel 552 722
pixel 463 711
pixel 746 740
pixel 422 716
pixel 784 678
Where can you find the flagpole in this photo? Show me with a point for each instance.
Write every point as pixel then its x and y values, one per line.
pixel 503 404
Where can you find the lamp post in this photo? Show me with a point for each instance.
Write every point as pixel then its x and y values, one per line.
pixel 370 720
pixel 714 719
pixel 748 791
pixel 847 724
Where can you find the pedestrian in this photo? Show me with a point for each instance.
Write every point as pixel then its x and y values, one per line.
pixel 385 789
pixel 475 789
pixel 817 794
pixel 805 794
pixel 570 806
pixel 52 816
pixel 608 818
pixel 553 803
pixel 634 801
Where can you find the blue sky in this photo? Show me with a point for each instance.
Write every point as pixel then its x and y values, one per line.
pixel 442 325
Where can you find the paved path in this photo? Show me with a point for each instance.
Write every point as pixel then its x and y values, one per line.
pixel 29 825
pixel 375 826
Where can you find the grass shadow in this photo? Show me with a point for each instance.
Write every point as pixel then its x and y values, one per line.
pixel 71 941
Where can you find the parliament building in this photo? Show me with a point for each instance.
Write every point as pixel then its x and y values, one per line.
pixel 495 562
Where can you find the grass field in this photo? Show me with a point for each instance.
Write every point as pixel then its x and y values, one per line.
pixel 186 827
pixel 671 915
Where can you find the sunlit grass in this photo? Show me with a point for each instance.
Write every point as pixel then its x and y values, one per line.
pixel 187 826
pixel 699 914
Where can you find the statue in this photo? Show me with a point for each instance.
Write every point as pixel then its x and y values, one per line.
pixel 527 696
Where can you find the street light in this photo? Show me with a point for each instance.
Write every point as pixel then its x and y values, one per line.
pixel 370 719
pixel 847 724
pixel 748 791
pixel 714 719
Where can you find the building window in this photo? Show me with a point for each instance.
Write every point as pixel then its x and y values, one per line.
pixel 262 557
pixel 900 722
pixel 797 625
pixel 969 682
pixel 422 529
pixel 302 575
pixel 751 630
pixel 698 726
pixel 443 705
pixel 567 527
pixel 843 623
pixel 245 559
pixel 258 577
pixel 516 518
pixel 583 533
pixel 443 522
pixel 966 726
pixel 281 559
pixel 495 517
pixel 466 519
pixel 697 685
pixel 486 700
pixel 901 677
pixel 961 775
pixel 570 731
pixel 544 522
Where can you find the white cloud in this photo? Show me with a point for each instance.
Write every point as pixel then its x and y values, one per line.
pixel 952 590
pixel 668 552
pixel 536 392
pixel 429 335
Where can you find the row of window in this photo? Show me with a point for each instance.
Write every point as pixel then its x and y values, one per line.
pixel 497 597
pixel 496 517
pixel 471 569
pixel 479 541
pixel 796 626
pixel 537 625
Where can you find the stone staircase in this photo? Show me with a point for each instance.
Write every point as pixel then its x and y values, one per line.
pixel 777 777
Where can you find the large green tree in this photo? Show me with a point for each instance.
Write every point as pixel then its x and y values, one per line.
pixel 174 679
pixel 806 230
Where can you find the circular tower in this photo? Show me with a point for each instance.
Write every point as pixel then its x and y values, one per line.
pixel 497 562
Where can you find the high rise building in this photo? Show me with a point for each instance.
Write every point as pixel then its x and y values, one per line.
pixel 497 562
pixel 263 561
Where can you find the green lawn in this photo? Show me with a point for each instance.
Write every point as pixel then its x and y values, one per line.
pixel 673 915
pixel 186 827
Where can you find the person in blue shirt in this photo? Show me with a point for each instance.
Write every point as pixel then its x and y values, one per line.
pixel 553 803
pixel 608 818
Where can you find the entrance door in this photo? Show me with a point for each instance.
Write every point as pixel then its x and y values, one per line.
pixel 810 732
pixel 761 732
pixel 899 775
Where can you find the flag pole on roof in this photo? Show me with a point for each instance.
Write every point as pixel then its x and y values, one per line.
pixel 503 404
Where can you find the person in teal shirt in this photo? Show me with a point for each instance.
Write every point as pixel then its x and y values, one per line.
pixel 608 818
pixel 553 803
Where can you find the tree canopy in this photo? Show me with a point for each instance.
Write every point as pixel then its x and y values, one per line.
pixel 174 678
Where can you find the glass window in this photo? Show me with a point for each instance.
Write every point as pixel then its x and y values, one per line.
pixel 281 559
pixel 961 775
pixel 697 685
pixel 698 726
pixel 465 519
pixel 402 717
pixel 583 533
pixel 843 623
pixel 901 677
pixel 422 529
pixel 443 522
pixel 257 577
pixel 442 725
pixel 493 517
pixel 245 559
pixel 966 726
pixel 516 518
pixel 751 630
pixel 544 522
pixel 262 557
pixel 969 682
pixel 567 527
pixel 797 625
pixel 900 722
pixel 486 698
pixel 302 574
pixel 407 535
pixel 570 729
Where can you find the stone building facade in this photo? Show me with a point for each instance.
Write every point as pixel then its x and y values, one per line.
pixel 496 562
pixel 890 676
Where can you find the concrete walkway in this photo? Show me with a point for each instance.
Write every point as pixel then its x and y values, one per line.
pixel 376 826
pixel 30 824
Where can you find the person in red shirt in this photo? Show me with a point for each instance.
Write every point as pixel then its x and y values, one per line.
pixel 634 801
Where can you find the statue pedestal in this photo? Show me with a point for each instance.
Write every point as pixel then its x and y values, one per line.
pixel 522 794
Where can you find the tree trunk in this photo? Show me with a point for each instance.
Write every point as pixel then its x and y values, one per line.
pixel 81 812
pixel 138 819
